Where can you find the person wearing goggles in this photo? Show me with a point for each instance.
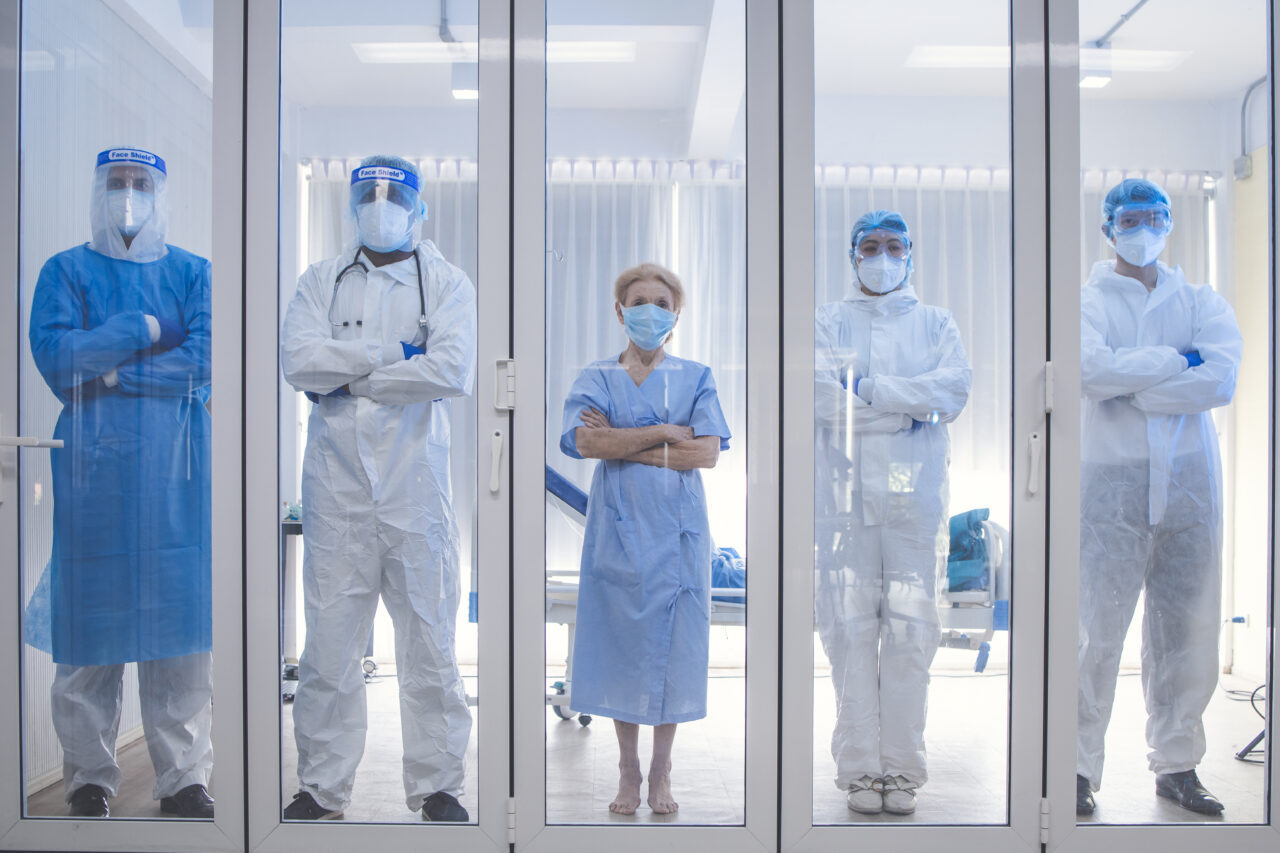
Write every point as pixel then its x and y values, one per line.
pixel 891 373
pixel 1157 356
pixel 380 337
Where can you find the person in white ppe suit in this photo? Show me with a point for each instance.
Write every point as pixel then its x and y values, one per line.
pixel 380 337
pixel 1157 355
pixel 891 373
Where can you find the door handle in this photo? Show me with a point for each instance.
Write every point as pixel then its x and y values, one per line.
pixel 495 461
pixel 27 441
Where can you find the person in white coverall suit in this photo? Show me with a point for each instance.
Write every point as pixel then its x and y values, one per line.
pixel 1157 355
pixel 891 373
pixel 380 337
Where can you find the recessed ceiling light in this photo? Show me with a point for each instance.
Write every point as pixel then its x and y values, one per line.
pixel 1094 80
pixel 997 56
pixel 426 52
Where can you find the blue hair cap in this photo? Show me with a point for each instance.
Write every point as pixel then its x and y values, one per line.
pixel 1132 191
pixel 879 220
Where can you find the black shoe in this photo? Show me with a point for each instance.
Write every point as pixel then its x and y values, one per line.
pixel 1185 789
pixel 191 801
pixel 89 801
pixel 444 808
pixel 305 807
pixel 1084 796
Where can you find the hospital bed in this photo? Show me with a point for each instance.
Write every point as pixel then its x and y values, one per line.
pixel 972 598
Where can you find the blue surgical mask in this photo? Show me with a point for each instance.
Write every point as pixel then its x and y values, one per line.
pixel 648 325
pixel 384 225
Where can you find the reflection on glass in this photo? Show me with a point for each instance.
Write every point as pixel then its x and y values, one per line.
pixel 890 374
pixel 913 408
pixel 646 155
pixel 378 347
pixel 117 565
pixel 1174 402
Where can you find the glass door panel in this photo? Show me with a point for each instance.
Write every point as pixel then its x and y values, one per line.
pixel 913 407
pixel 115 289
pixel 378 474
pixel 1175 251
pixel 645 218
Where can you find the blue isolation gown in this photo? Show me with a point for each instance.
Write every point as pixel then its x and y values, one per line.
pixel 643 623
pixel 130 571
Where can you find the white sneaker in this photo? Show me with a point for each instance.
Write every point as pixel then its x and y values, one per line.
pixel 864 796
pixel 899 794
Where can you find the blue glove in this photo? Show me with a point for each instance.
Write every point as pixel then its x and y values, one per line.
pixel 410 350
pixel 336 392
pixel 1193 358
pixel 171 334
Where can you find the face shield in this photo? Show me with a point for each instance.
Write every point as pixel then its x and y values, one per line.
pixel 128 207
pixel 387 208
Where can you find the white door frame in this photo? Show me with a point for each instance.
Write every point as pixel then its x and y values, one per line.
pixel 267 833
pixel 1029 509
pixel 226 832
pixel 760 831
pixel 1065 276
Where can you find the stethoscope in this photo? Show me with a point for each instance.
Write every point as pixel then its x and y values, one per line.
pixel 357 264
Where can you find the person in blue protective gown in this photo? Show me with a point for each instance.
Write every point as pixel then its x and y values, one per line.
pixel 890 374
pixel 641 646
pixel 1157 356
pixel 380 337
pixel 120 332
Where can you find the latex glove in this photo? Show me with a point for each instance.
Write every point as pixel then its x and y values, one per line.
pixel 410 350
pixel 171 334
pixel 111 378
pixel 1193 358
pixel 864 387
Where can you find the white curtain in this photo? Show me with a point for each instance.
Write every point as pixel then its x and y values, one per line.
pixel 605 216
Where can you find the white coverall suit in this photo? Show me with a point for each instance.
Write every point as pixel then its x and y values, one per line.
pixel 377 515
pixel 881 508
pixel 1151 504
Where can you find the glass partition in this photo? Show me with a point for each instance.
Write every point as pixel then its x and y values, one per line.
pixel 114 286
pixel 378 255
pixel 1176 445
pixel 913 413
pixel 645 455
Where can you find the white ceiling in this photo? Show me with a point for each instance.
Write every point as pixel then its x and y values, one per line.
pixel 860 47
pixel 863 47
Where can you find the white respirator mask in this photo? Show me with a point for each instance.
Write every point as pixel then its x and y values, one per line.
pixel 1140 246
pixel 130 209
pixel 384 225
pixel 882 273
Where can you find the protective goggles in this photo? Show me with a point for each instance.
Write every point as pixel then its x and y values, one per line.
pixel 1155 215
pixel 383 183
pixel 881 242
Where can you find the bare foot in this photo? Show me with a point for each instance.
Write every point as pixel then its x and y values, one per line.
pixel 660 794
pixel 628 798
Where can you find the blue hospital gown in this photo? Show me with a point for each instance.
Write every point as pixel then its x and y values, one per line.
pixel 129 576
pixel 643 623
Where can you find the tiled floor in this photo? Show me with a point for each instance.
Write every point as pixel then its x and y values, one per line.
pixel 966 739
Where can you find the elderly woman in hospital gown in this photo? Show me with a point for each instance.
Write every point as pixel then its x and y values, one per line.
pixel 640 650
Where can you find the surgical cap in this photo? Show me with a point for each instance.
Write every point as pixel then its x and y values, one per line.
pixel 1133 192
pixel 148 244
pixel 401 178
